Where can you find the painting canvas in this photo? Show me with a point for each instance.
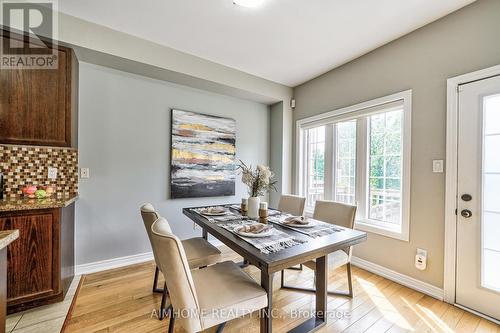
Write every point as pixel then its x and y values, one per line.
pixel 202 155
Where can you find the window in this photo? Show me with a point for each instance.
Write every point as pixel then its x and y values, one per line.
pixel 360 155
pixel 315 165
pixel 385 167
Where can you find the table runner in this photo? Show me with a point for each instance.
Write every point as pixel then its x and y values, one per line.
pixel 320 229
pixel 278 241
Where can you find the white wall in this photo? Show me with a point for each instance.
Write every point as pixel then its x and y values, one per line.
pixel 124 139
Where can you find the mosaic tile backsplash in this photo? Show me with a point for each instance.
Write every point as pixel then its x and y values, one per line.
pixel 28 165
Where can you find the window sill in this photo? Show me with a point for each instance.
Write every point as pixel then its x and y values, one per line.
pixel 380 230
pixel 375 229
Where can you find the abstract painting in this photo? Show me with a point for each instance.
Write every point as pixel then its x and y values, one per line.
pixel 202 155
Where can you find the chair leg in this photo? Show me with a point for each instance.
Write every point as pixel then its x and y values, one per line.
pixel 163 301
pixel 335 293
pixel 155 282
pixel 171 323
pixel 349 278
pixel 283 273
pixel 220 328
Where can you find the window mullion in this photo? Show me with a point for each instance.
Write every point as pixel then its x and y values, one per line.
pixel 362 167
pixel 306 163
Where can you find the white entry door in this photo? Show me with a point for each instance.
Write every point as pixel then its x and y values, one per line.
pixel 478 199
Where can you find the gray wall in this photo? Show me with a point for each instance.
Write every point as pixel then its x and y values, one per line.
pixel 462 42
pixel 124 139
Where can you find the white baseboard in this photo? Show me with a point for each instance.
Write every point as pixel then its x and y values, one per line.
pixel 405 280
pixel 104 265
pixel 387 273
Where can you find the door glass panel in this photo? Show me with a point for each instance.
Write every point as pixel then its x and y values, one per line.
pixel 491 153
pixel 492 225
pixel 492 114
pixel 491 194
pixel 491 271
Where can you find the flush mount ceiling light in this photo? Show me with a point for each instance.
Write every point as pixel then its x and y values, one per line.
pixel 248 3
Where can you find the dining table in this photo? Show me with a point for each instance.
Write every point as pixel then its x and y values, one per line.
pixel 304 249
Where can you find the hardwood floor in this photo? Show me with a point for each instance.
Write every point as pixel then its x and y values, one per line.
pixel 121 300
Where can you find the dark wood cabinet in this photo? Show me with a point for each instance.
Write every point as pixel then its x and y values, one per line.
pixel 39 106
pixel 39 272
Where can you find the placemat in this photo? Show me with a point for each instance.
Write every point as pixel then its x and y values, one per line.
pixel 318 230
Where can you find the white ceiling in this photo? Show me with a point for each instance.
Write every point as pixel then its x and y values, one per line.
pixel 286 41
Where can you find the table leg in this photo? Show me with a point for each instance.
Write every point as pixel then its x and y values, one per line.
pixel 266 320
pixel 205 234
pixel 321 287
pixel 318 320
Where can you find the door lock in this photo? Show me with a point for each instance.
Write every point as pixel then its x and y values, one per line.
pixel 466 213
pixel 466 197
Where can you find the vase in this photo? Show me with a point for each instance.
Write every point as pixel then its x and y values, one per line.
pixel 253 207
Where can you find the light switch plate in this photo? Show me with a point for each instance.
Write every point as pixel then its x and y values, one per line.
pixel 84 173
pixel 52 173
pixel 438 166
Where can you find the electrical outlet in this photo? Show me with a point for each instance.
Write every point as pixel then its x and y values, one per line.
pixel 438 166
pixel 421 259
pixel 84 173
pixel 52 173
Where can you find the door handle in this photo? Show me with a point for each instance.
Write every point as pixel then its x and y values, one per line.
pixel 466 213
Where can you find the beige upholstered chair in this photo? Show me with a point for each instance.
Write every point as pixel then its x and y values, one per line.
pixel 292 204
pixel 207 297
pixel 342 215
pixel 199 251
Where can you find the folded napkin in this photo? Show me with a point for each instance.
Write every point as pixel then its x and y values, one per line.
pixel 213 210
pixel 255 228
pixel 229 216
pixel 291 220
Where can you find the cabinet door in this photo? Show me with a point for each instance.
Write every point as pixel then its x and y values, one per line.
pixel 35 104
pixel 31 258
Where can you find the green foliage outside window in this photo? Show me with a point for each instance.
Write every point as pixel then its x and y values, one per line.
pixel 318 165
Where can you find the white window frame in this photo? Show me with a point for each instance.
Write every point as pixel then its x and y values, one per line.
pixel 355 112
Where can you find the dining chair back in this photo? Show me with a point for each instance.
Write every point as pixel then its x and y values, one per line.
pixel 292 204
pixel 149 216
pixel 175 267
pixel 335 213
pixel 340 214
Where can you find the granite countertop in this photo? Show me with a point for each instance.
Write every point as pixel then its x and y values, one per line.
pixel 7 237
pixel 8 205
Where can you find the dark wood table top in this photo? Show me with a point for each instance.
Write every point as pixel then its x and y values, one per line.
pixel 274 262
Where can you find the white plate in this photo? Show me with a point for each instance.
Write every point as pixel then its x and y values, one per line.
pixel 252 235
pixel 213 214
pixel 309 225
